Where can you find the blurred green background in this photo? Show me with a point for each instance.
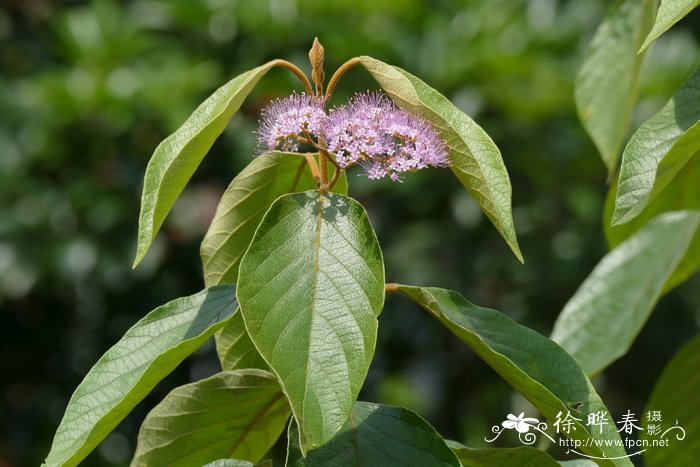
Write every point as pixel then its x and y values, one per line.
pixel 88 89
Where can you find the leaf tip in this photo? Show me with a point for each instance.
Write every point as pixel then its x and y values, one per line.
pixel 140 253
pixel 620 217
pixel 515 247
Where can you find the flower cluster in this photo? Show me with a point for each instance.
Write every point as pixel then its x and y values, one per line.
pixel 369 131
pixel 287 121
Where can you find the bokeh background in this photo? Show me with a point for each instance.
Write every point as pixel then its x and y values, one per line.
pixel 88 89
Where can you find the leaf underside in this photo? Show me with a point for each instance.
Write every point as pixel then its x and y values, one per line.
pixel 313 288
pixel 128 371
pixel 669 13
pixel 235 414
pixel 243 205
pixel 601 321
pixel 659 150
pixel 474 158
pixel 607 83
pixel 177 157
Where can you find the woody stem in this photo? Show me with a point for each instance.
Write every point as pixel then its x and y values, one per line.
pixel 338 74
pixel 295 69
pixel 323 162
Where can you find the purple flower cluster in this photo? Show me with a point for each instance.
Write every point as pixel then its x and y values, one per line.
pixel 369 131
pixel 287 120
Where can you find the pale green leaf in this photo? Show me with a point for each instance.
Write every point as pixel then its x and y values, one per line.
pixel 681 194
pixel 243 205
pixel 522 456
pixel 535 366
pixel 177 157
pixel 233 414
pixel 675 397
pixel 606 84
pixel 658 150
pixel 600 322
pixel 229 463
pixel 376 436
pixel 670 12
pixel 234 347
pixel 475 159
pixel 311 287
pixel 238 463
pixel 128 371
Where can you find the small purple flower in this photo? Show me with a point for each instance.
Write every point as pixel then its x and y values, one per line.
pixel 286 120
pixel 385 140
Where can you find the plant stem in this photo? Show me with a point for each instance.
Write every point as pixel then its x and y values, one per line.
pixel 323 162
pixel 337 75
pixel 295 69
pixel 336 174
pixel 314 167
pixel 391 287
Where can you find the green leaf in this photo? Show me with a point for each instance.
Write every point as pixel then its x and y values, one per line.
pixel 229 463
pixel 670 12
pixel 502 457
pixel 606 84
pixel 243 205
pixel 675 396
pixel 475 159
pixel 681 194
pixel 658 150
pixel 376 435
pixel 177 157
pixel 535 366
pixel 234 347
pixel 578 463
pixel 607 312
pixel 237 463
pixel 128 371
pixel 235 414
pixel 311 286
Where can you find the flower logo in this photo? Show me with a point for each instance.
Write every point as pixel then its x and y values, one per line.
pixel 521 423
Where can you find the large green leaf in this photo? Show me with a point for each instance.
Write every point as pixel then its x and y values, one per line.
pixel 311 286
pixel 658 150
pixel 522 456
pixel 177 157
pixel 670 12
pixel 607 82
pixel 376 435
pixel 128 371
pixel 234 347
pixel 675 397
pixel 236 414
pixel 535 366
pixel 602 319
pixel 243 205
pixel 238 463
pixel 681 194
pixel 475 159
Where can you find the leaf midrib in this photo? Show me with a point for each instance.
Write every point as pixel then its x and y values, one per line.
pixel 314 291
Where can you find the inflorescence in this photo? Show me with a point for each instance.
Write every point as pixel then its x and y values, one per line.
pixel 369 131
